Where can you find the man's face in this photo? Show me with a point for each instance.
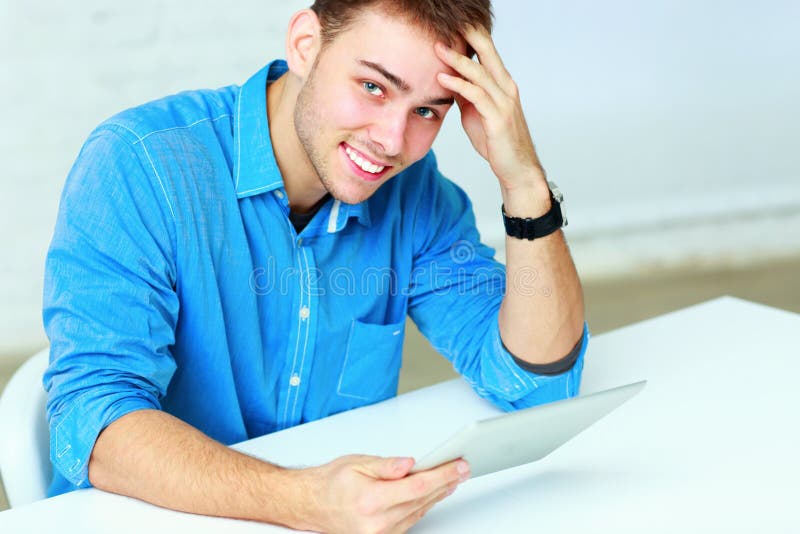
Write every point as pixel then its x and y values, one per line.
pixel 372 105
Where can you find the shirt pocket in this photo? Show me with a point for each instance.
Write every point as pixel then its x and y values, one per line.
pixel 372 362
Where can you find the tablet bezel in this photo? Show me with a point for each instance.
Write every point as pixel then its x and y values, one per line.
pixel 526 435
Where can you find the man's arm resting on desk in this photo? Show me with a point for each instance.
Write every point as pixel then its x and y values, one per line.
pixel 543 324
pixel 155 457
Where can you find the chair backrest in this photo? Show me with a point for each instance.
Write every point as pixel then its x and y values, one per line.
pixel 24 434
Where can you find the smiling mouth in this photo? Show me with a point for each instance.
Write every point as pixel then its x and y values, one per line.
pixel 364 163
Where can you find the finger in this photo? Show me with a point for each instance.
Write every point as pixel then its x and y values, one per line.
pixel 405 509
pixel 473 72
pixel 483 44
pixel 422 485
pixel 471 92
pixel 404 516
pixel 413 517
pixel 384 468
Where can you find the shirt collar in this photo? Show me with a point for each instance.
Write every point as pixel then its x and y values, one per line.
pixel 340 213
pixel 255 169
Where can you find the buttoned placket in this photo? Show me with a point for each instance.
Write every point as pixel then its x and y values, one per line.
pixel 294 385
pixel 295 381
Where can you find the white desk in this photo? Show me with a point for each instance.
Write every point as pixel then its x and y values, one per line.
pixel 711 445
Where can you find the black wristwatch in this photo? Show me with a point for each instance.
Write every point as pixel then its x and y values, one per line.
pixel 548 223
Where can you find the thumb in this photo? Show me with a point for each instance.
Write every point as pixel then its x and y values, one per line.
pixel 387 468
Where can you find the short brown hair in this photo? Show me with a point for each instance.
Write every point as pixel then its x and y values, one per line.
pixel 444 19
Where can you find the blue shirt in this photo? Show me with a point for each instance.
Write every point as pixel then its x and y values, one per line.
pixel 175 281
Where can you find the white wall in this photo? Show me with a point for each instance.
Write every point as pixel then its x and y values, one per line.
pixel 670 125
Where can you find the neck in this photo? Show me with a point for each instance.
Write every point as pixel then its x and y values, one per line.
pixel 303 187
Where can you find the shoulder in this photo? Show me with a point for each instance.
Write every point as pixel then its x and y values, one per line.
pixel 178 114
pixel 179 142
pixel 422 182
pixel 425 189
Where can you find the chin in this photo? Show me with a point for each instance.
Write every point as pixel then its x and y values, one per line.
pixel 344 190
pixel 351 197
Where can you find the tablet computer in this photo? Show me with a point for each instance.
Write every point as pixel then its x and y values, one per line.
pixel 526 435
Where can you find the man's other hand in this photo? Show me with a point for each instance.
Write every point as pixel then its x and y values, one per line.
pixel 491 111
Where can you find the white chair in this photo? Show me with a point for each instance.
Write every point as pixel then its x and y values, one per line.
pixel 24 434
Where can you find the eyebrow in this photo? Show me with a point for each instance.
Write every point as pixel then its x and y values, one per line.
pixel 401 84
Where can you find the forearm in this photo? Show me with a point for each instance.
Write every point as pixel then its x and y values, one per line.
pixel 155 457
pixel 542 315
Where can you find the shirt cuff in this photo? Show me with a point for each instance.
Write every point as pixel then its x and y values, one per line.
pixel 73 434
pixel 553 368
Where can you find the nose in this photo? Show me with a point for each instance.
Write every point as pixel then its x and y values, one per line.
pixel 389 131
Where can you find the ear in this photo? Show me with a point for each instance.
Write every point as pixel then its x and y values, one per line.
pixel 302 42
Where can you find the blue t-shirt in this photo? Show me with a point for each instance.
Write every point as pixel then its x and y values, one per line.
pixel 175 281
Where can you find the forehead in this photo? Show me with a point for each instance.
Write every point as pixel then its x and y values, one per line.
pixel 395 43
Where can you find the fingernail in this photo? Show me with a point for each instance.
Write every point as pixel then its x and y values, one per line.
pixel 397 465
pixel 463 470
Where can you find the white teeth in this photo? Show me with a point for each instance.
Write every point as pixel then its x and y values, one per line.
pixel 361 162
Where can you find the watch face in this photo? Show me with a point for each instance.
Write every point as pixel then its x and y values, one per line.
pixel 559 197
pixel 556 192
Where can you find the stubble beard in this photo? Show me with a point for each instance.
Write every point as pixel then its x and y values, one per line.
pixel 307 122
pixel 309 127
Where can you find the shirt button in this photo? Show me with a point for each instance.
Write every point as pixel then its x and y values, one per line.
pixel 294 381
pixel 299 241
pixel 304 312
pixel 279 194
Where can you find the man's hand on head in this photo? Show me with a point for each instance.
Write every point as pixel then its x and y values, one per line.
pixel 354 494
pixel 491 112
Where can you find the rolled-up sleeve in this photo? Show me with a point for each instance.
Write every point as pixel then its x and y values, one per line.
pixel 109 306
pixel 529 389
pixel 455 300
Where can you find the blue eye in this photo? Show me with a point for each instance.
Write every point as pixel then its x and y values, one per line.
pixel 372 88
pixel 426 113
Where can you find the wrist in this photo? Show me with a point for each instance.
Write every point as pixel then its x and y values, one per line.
pixel 528 195
pixel 288 497
pixel 547 220
pixel 527 202
pixel 304 511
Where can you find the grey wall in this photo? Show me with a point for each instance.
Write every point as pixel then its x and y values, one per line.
pixel 670 125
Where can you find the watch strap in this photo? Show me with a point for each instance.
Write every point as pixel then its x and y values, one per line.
pixel 530 229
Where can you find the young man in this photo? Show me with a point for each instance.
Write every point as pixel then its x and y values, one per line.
pixel 209 276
